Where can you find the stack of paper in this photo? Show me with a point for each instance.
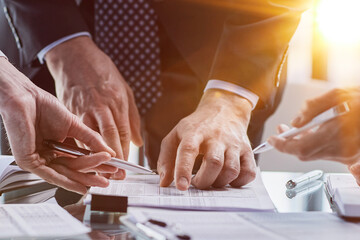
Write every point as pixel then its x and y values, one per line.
pixel 13 177
pixel 37 220
pixel 20 186
pixel 144 191
pixel 344 194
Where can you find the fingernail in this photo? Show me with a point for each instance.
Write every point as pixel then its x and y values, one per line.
pixel 113 153
pixel 107 155
pixel 296 120
pixel 183 183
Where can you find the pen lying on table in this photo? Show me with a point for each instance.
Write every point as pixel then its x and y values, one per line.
pixel 76 151
pixel 304 179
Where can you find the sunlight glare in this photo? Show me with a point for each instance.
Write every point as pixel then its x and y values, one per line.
pixel 339 20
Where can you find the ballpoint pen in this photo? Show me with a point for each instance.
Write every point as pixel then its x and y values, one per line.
pixel 304 179
pixel 304 190
pixel 333 112
pixel 76 151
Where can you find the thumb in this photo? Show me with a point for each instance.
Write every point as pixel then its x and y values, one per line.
pixel 89 137
pixel 282 128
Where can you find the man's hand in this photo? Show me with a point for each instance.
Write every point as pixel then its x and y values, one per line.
pixel 218 130
pixel 90 86
pixel 31 115
pixel 336 140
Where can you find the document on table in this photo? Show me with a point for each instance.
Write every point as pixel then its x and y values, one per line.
pixel 38 220
pixel 144 191
pixel 252 225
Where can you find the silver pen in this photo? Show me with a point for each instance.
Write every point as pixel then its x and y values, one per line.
pixel 304 190
pixel 304 179
pixel 333 112
pixel 76 151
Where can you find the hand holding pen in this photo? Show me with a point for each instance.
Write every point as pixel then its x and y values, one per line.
pixel 76 151
pixel 325 116
pixel 336 140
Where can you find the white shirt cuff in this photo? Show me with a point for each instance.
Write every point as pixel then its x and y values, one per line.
pixel 42 53
pixel 230 87
pixel 3 55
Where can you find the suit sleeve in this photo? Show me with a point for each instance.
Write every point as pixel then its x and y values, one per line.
pixel 252 50
pixel 37 23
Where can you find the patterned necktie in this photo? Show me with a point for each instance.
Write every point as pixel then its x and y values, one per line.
pixel 127 31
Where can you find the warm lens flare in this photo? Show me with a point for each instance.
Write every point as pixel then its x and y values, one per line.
pixel 339 20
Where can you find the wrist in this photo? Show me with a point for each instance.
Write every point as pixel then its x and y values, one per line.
pixel 15 86
pixel 70 62
pixel 216 99
pixel 67 49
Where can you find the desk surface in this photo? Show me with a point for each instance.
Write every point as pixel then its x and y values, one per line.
pixel 312 201
pixel 274 183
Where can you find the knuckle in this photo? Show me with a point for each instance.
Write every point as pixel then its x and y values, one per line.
pixel 246 176
pixel 186 125
pixel 117 99
pixel 247 150
pixel 200 186
pixel 109 129
pixel 185 169
pixel 235 146
pixel 249 173
pixel 232 171
pixel 188 147
pixel 124 134
pixel 215 161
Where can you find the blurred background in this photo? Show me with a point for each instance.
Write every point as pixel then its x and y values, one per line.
pixel 324 53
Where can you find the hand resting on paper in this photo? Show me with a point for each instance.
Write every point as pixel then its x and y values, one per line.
pixel 218 130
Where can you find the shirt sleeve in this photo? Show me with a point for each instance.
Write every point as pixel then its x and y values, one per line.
pixel 230 87
pixel 42 53
pixel 2 54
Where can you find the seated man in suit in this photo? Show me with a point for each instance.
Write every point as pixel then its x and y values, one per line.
pixel 112 60
pixel 336 140
pixel 31 115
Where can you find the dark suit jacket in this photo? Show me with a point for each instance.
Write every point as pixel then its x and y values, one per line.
pixel 240 41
